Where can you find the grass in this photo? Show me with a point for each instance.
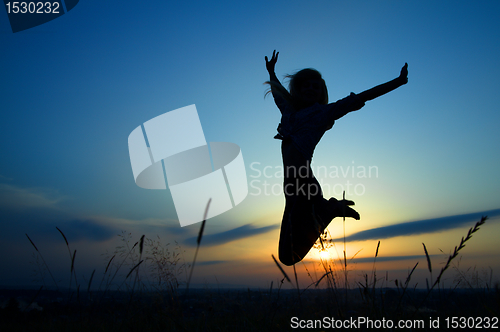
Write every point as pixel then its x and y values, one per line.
pixel 141 288
pixel 475 299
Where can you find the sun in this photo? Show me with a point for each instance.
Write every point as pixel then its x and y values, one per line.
pixel 323 254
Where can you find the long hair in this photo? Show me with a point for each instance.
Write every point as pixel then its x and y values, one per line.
pixel 292 95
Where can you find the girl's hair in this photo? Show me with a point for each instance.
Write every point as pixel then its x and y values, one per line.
pixel 294 85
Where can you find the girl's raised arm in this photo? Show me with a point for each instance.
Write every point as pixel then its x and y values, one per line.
pixel 281 96
pixel 382 89
pixel 270 67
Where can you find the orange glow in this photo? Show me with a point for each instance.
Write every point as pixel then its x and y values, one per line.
pixel 324 254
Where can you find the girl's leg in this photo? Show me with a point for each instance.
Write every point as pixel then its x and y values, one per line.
pixel 307 213
pixel 299 180
pixel 300 183
pixel 302 192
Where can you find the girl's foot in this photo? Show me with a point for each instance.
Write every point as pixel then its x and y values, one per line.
pixel 325 211
pixel 342 209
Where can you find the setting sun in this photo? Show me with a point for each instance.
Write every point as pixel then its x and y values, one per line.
pixel 324 254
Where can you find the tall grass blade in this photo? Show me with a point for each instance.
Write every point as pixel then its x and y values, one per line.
pixel 471 231
pixel 64 236
pixel 345 258
pixel 43 260
pixel 109 263
pixel 374 271
pixel 200 234
pixel 407 282
pixel 32 242
pixel 428 258
pixel 71 257
pixel 409 275
pixel 90 281
pixel 322 277
pixel 281 269
pixel 141 244
pixel 73 261
pixel 128 275
pixel 198 241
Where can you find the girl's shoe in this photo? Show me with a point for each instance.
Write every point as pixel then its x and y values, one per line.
pixel 342 209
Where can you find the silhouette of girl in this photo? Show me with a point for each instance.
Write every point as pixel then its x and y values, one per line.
pixel 305 116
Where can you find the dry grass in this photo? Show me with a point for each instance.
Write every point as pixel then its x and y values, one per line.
pixel 405 300
pixel 140 287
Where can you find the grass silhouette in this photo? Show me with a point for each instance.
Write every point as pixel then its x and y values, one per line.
pixel 142 283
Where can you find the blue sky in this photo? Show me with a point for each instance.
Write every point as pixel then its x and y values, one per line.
pixel 74 88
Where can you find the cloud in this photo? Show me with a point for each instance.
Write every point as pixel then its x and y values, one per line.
pixel 148 226
pixel 42 223
pixel 230 235
pixel 87 229
pixel 391 258
pixel 388 258
pixel 210 263
pixel 5 178
pixel 419 226
pixel 14 197
pixel 38 211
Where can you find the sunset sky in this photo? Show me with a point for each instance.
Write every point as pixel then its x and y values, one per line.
pixel 422 163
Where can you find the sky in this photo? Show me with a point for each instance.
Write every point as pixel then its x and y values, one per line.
pixel 421 162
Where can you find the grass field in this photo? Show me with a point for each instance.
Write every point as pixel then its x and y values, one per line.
pixel 141 289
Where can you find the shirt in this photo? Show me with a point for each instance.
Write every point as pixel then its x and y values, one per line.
pixel 306 126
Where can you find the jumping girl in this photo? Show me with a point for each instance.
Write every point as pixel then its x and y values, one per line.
pixel 305 116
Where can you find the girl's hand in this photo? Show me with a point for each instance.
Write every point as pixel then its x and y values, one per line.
pixel 270 64
pixel 404 74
